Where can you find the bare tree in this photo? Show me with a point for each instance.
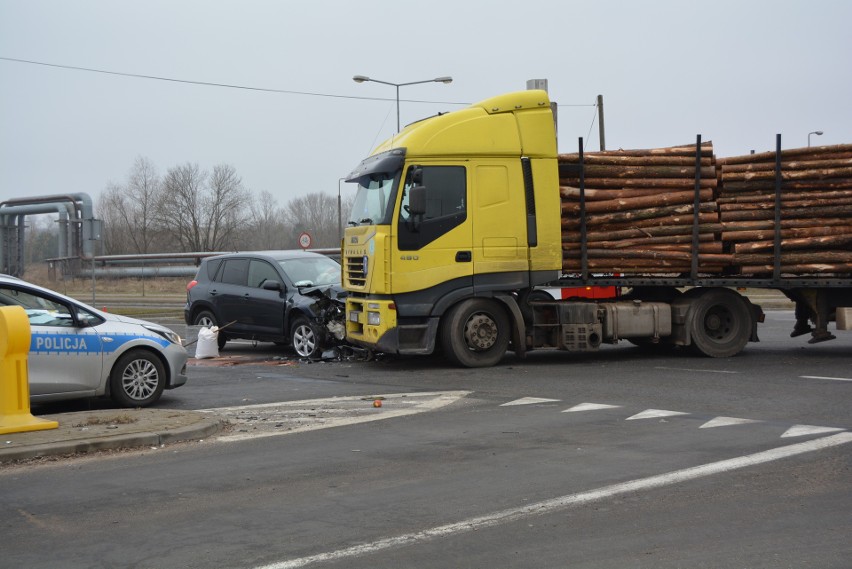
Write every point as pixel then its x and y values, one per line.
pixel 227 207
pixel 116 237
pixel 316 214
pixel 202 212
pixel 266 227
pixel 128 211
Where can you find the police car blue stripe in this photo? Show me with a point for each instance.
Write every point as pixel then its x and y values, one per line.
pixel 85 343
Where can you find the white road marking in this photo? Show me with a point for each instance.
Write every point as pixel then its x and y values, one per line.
pixel 803 430
pixel 654 413
pixel 726 422
pixel 512 515
pixel 529 401
pixel 696 370
pixel 821 377
pixel 590 407
pixel 312 414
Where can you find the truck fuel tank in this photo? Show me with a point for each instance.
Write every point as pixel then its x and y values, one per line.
pixel 636 319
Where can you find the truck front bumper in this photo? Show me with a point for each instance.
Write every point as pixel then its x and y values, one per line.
pixel 373 324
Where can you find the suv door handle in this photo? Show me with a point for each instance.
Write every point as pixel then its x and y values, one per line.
pixel 463 257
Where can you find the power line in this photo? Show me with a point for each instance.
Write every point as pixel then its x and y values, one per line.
pixel 211 84
pixel 231 86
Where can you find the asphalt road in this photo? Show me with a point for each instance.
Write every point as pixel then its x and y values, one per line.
pixel 618 459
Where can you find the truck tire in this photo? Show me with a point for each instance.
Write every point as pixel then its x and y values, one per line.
pixel 476 333
pixel 721 324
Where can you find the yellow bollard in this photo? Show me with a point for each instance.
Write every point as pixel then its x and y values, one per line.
pixel 15 336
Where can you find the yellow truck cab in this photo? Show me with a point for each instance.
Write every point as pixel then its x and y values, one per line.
pixel 446 232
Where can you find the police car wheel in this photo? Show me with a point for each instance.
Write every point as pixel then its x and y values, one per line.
pixel 137 379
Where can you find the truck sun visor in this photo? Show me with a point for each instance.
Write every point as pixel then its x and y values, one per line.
pixel 386 162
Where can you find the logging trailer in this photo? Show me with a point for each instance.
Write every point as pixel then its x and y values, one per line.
pixel 463 220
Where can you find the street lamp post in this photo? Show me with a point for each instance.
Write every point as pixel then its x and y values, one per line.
pixel 339 212
pixel 816 132
pixel 362 79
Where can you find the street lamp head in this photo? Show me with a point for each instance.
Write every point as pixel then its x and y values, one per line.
pixel 360 78
pixel 818 132
pixel 443 80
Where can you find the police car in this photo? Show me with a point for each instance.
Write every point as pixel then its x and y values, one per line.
pixel 77 351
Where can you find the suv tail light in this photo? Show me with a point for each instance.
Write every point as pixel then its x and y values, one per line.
pixel 191 284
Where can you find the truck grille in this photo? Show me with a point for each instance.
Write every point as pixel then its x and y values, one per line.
pixel 355 271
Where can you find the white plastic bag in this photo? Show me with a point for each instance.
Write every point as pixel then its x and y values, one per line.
pixel 208 343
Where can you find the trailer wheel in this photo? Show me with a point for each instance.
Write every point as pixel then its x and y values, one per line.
pixel 721 323
pixel 476 333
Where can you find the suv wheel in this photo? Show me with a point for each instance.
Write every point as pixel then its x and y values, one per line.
pixel 305 338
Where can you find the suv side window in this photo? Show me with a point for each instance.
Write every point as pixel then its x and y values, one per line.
pixel 260 272
pixel 235 271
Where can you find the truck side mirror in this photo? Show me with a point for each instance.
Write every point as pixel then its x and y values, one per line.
pixel 417 200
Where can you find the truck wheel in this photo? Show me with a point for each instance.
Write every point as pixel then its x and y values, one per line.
pixel 207 320
pixel 476 333
pixel 721 323
pixel 137 379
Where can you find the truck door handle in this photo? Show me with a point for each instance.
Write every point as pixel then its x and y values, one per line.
pixel 463 257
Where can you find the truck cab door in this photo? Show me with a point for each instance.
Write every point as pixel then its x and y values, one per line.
pixel 433 247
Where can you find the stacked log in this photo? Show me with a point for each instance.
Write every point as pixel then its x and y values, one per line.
pixel 640 211
pixel 815 206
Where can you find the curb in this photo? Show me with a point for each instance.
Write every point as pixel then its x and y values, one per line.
pixel 66 440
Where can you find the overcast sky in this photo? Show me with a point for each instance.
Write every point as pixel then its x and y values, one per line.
pixel 737 72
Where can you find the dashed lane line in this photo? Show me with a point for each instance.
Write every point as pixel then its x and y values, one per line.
pixel 529 401
pixel 804 430
pixel 726 422
pixel 590 407
pixel 655 414
pixel 693 370
pixel 513 515
pixel 822 377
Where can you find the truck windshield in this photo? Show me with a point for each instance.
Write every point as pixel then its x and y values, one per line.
pixel 374 200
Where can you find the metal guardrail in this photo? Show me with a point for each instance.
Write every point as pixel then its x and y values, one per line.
pixel 145 265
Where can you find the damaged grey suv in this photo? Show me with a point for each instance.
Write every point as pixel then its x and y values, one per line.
pixel 292 298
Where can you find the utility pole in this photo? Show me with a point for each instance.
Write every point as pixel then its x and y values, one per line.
pixel 601 122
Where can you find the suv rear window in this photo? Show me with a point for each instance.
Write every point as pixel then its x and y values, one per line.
pixel 212 268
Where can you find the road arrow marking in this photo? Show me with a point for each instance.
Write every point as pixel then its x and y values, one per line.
pixel 725 422
pixel 802 430
pixel 654 413
pixel 529 401
pixel 590 407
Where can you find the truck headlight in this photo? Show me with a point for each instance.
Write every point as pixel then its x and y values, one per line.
pixel 374 318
